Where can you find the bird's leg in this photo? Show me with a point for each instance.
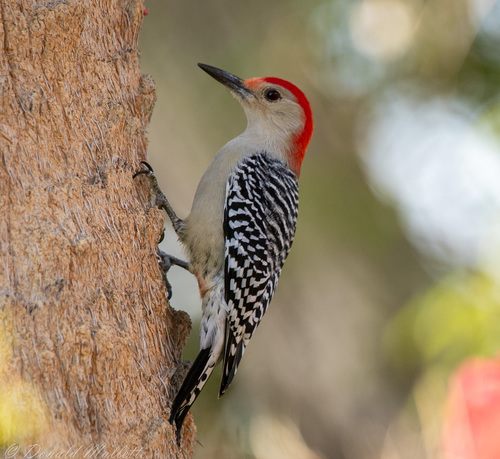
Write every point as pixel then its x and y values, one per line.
pixel 166 260
pixel 160 199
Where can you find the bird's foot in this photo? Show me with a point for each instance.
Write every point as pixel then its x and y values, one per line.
pixel 159 198
pixel 166 262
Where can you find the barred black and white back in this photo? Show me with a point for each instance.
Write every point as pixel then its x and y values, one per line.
pixel 260 217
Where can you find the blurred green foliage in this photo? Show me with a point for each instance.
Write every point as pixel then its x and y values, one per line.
pixel 23 413
pixel 456 318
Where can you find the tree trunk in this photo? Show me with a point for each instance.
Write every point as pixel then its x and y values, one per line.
pixel 88 343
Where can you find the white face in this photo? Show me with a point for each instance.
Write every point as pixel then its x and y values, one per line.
pixel 273 115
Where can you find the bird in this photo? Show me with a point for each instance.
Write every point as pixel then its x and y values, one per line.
pixel 241 225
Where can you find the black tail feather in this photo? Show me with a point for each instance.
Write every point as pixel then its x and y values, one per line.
pixel 190 389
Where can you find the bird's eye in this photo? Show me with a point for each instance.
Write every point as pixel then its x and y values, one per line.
pixel 272 95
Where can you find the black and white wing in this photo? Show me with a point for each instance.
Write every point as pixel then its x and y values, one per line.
pixel 260 217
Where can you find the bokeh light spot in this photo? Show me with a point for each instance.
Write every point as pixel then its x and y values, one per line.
pixel 382 29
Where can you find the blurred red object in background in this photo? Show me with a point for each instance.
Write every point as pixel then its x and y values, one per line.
pixel 471 428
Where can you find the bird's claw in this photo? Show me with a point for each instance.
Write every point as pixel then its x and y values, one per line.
pixel 166 262
pixel 153 182
pixel 143 171
pixel 160 200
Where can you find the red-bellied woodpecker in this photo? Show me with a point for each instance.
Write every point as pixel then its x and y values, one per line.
pixel 241 224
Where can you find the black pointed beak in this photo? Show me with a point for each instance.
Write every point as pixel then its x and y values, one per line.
pixel 235 84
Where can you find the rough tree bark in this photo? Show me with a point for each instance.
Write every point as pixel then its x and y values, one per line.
pixel 88 343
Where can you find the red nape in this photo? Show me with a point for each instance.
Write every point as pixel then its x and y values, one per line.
pixel 302 140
